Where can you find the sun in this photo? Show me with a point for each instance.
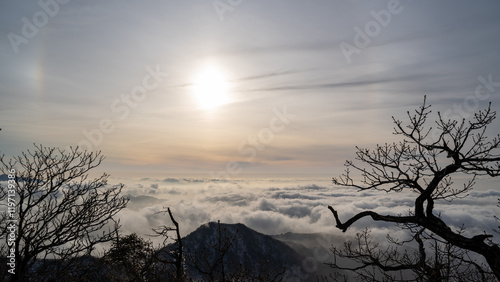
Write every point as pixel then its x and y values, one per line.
pixel 211 88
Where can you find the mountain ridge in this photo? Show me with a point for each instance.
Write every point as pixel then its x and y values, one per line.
pixel 215 249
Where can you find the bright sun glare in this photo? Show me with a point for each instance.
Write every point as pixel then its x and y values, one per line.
pixel 211 88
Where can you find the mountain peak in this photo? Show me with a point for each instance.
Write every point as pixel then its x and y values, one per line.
pixel 214 248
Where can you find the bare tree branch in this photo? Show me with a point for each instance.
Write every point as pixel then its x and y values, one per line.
pixel 60 212
pixel 425 162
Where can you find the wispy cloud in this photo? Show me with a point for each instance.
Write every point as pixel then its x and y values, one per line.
pixel 347 84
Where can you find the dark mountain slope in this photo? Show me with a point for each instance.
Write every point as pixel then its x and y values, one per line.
pixel 239 253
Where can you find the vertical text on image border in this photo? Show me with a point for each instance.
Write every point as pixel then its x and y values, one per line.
pixel 11 222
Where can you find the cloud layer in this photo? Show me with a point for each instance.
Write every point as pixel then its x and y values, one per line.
pixel 275 206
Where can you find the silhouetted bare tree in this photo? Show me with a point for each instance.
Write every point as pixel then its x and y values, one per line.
pixel 424 162
pixel 432 259
pixel 175 256
pixel 59 212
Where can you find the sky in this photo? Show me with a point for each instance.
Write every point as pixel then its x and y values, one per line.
pixel 178 93
pixel 242 87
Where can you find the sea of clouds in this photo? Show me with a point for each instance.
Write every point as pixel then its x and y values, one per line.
pixel 275 205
